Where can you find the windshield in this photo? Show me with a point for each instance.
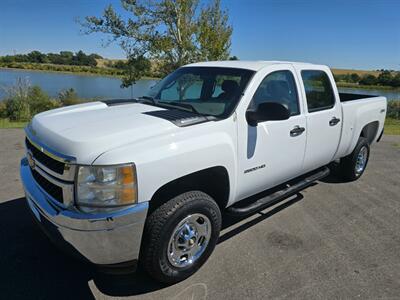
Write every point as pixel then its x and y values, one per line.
pixel 206 90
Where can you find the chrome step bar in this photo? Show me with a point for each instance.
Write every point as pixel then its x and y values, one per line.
pixel 239 210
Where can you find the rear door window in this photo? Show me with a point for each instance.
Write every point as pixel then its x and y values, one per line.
pixel 319 91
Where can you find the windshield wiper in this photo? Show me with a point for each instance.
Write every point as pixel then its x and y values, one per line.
pixel 186 106
pixel 147 99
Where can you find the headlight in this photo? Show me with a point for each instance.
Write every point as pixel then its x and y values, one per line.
pixel 105 188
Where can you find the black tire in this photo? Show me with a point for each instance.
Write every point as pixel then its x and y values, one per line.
pixel 348 164
pixel 160 226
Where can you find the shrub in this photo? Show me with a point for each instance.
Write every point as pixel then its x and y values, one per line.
pixel 368 80
pixel 17 109
pixel 39 101
pixel 385 78
pixel 3 111
pixel 396 80
pixel 23 101
pixel 394 109
pixel 69 97
pixel 16 101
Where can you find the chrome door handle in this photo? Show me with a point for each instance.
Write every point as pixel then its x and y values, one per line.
pixel 334 121
pixel 297 130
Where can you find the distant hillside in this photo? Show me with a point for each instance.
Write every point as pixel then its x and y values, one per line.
pixel 106 62
pixel 358 72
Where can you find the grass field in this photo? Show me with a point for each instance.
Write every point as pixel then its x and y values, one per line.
pixel 358 72
pixel 392 127
pixel 366 87
pixel 5 123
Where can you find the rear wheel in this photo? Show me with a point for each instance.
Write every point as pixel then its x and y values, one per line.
pixel 179 236
pixel 354 165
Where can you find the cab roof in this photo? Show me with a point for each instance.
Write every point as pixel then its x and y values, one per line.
pixel 249 65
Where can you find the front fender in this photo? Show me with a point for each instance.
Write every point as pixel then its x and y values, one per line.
pixel 163 159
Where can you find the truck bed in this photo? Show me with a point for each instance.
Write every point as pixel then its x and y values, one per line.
pixel 357 112
pixel 345 97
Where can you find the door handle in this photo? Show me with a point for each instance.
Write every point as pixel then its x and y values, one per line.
pixel 297 130
pixel 334 121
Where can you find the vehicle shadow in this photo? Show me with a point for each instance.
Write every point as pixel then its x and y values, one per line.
pixel 31 267
pixel 231 221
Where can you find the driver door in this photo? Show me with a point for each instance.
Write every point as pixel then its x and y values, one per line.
pixel 272 152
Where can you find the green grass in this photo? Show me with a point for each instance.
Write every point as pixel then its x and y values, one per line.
pixel 392 126
pixel 6 123
pixel 366 87
pixel 68 69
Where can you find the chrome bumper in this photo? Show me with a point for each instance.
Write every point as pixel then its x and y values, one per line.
pixel 102 239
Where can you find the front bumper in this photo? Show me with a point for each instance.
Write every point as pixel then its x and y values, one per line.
pixel 102 239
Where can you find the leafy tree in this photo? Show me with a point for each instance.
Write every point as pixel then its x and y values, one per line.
pixel 234 58
pixel 396 80
pixel 135 68
pixel 64 58
pixel 96 56
pixel 214 33
pixel 355 77
pixel 385 78
pixel 170 32
pixel 368 80
pixel 37 57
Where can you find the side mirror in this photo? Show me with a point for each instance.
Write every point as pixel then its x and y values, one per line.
pixel 267 111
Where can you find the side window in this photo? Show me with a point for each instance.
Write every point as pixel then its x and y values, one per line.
pixel 280 87
pixel 318 89
pixel 187 87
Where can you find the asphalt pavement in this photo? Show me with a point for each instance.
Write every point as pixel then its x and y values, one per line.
pixel 332 241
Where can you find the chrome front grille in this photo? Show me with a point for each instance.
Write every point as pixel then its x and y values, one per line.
pixel 53 173
pixel 46 161
pixel 54 164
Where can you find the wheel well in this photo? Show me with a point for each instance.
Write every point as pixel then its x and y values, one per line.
pixel 370 131
pixel 212 181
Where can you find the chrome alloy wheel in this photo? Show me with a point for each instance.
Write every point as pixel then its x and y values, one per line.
pixel 361 160
pixel 189 240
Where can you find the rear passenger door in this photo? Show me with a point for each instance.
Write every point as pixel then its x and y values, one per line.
pixel 323 117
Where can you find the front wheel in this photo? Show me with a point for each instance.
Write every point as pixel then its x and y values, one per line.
pixel 354 165
pixel 179 236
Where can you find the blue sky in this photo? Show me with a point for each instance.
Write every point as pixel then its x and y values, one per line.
pixel 359 34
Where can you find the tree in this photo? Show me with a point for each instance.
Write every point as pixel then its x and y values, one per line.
pixel 37 57
pixel 368 80
pixel 214 34
pixel 355 77
pixel 396 80
pixel 385 78
pixel 169 32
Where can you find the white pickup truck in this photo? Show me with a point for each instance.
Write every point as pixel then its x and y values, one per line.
pixel 145 180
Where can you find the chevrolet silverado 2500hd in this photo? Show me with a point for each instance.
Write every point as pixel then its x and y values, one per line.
pixel 145 180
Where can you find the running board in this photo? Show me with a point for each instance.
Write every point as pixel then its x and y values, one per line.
pixel 279 195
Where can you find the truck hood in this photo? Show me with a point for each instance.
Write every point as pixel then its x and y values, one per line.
pixel 86 131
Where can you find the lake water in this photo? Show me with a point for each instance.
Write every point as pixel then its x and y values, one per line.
pixel 109 87
pixel 86 86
